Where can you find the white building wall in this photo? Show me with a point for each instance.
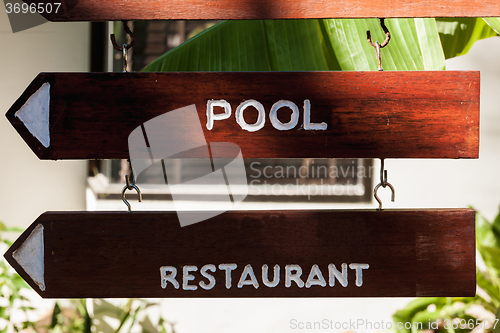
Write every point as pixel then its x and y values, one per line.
pixel 29 186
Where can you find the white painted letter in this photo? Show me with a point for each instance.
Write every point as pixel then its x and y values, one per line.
pixel 311 281
pixel 294 119
pixel 170 278
pixel 334 273
pixel 359 272
pixel 253 281
pixel 307 119
pixel 261 120
pixel 228 268
pixel 186 277
pixel 289 277
pixel 265 276
pixel 211 279
pixel 219 116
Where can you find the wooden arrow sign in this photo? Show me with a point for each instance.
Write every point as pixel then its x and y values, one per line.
pixel 365 253
pixel 114 10
pixel 432 114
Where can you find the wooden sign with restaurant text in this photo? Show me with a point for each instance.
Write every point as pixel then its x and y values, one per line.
pixel 431 114
pixel 357 253
pixel 115 10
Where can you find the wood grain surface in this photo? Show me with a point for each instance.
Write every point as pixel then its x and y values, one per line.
pixel 113 10
pixel 410 253
pixel 431 114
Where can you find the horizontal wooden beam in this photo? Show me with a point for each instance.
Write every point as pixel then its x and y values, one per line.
pixel 431 114
pixel 114 10
pixel 390 253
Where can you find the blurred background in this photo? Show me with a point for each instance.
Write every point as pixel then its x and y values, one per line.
pixel 31 187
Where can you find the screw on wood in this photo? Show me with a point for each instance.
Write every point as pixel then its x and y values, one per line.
pixel 378 46
pixel 384 184
pixel 125 47
pixel 130 185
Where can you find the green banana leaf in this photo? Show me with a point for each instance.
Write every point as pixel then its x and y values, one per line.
pixel 414 44
pixel 292 45
pixel 325 44
pixel 459 34
pixel 494 23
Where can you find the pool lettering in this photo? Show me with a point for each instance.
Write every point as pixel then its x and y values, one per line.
pixel 261 119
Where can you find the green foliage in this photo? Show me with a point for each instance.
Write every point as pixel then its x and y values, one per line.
pixel 10 286
pixel 325 44
pixel 459 34
pixel 414 44
pixel 71 316
pixel 286 45
pixel 494 23
pixel 74 317
pixel 466 312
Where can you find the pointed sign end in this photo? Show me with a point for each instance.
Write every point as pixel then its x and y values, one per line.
pixel 30 256
pixel 35 114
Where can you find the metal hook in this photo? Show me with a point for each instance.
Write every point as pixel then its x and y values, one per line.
pixel 384 184
pixel 129 33
pixel 130 186
pixel 378 46
pixel 124 49
pixel 125 58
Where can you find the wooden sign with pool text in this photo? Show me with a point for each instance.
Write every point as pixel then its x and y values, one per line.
pixel 431 114
pixel 337 253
